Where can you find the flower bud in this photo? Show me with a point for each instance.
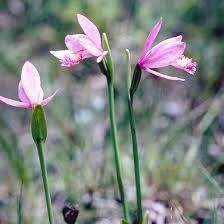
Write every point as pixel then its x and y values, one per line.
pixel 135 80
pixel 109 65
pixel 38 125
pixel 70 214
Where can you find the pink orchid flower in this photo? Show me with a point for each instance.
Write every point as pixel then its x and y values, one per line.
pixel 81 46
pixel 167 52
pixel 29 90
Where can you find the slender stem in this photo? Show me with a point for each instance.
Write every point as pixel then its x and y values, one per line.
pixel 136 160
pixel 116 149
pixel 107 68
pixel 131 88
pixel 40 149
pixel 20 205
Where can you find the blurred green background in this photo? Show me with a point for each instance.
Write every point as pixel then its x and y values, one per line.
pixel 180 125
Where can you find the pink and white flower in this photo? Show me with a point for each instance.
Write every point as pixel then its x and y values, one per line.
pixel 29 90
pixel 81 46
pixel 167 52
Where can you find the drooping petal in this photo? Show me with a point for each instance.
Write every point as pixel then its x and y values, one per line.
pixel 90 46
pixel 31 82
pixel 185 64
pixel 165 55
pixel 90 30
pixel 173 78
pixel 22 95
pixel 151 37
pixel 67 58
pixel 61 54
pixel 48 99
pixel 14 103
pixel 72 42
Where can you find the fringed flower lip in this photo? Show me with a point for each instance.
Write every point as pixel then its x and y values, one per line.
pixel 166 53
pixel 29 89
pixel 81 46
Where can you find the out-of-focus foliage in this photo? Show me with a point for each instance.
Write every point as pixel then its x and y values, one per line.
pixel 180 125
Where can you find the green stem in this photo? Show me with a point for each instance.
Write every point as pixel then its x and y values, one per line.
pixel 136 160
pixel 20 206
pixel 115 147
pixel 40 149
pixel 131 88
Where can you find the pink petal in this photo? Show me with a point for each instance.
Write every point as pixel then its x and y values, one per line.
pixel 67 58
pixel 90 46
pixel 72 42
pixel 31 82
pixel 40 96
pixel 48 99
pixel 185 64
pixel 22 95
pixel 151 37
pixel 100 58
pixel 61 54
pixel 164 55
pixel 14 103
pixel 170 40
pixel 90 30
pixel 164 76
pixel 163 44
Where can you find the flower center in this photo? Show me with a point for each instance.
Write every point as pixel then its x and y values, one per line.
pixel 71 59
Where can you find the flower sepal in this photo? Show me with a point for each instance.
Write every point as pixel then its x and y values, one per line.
pixel 108 65
pixel 135 80
pixel 103 67
pixel 123 221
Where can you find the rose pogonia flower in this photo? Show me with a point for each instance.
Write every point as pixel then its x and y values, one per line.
pixel 167 52
pixel 29 90
pixel 81 46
